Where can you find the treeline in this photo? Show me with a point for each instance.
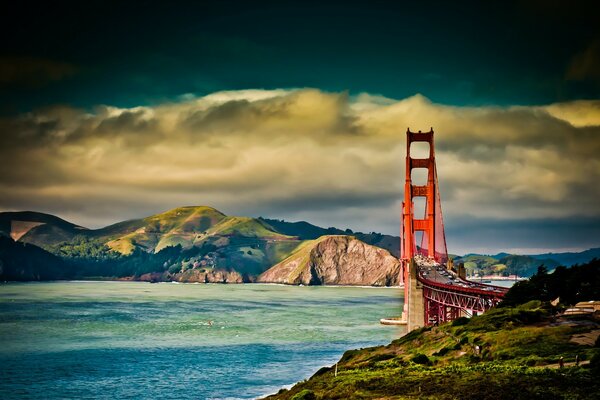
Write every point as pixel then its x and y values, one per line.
pixel 571 285
pixel 27 262
pixel 84 257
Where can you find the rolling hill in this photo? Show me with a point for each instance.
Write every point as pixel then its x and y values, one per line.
pixel 38 228
pixel 201 243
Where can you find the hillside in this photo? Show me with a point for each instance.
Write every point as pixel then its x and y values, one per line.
pixel 503 264
pixel 306 231
pixel 509 352
pixel 181 225
pixel 24 261
pixel 336 260
pixel 570 258
pixel 38 228
pixel 206 241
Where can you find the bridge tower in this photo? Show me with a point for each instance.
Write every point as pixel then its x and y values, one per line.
pixel 432 241
pixel 439 297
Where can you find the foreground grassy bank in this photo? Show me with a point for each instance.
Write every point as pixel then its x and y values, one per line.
pixel 507 353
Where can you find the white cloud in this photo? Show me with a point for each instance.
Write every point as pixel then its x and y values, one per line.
pixel 330 158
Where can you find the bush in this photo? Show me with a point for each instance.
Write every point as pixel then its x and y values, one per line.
pixel 381 357
pixel 305 395
pixel 460 321
pixel 174 269
pixel 443 352
pixel 421 359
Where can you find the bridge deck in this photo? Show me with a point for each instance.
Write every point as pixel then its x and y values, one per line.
pixel 438 276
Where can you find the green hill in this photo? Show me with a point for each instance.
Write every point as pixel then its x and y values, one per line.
pixel 306 231
pixel 247 245
pixel 507 353
pixel 38 228
pixel 570 258
pixel 503 264
pixel 525 265
pixel 180 226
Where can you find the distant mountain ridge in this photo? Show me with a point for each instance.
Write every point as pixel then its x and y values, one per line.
pixel 190 244
pixel 200 243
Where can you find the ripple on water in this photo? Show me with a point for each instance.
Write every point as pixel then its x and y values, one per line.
pixel 136 340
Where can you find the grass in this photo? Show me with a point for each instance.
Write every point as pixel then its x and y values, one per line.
pixel 246 227
pixel 443 362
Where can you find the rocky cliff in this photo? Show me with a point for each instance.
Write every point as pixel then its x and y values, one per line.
pixel 336 260
pixel 193 276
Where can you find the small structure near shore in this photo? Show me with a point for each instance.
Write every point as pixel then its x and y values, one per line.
pixel 393 321
pixel 584 308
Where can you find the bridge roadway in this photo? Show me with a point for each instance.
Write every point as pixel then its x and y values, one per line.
pixel 429 272
pixel 446 296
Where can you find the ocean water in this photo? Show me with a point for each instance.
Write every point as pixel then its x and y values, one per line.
pixel 132 340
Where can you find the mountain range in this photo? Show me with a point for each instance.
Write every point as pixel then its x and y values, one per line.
pixel 201 244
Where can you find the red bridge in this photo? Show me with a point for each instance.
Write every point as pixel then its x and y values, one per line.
pixel 434 291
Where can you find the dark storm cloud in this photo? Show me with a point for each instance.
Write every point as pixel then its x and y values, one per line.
pixel 585 66
pixel 32 72
pixel 466 53
pixel 522 236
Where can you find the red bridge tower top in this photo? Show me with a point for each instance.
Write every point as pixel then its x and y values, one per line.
pixel 432 241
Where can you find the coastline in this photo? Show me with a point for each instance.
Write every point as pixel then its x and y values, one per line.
pixel 204 283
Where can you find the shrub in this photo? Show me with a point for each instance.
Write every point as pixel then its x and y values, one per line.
pixel 382 357
pixel 460 321
pixel 443 351
pixel 421 359
pixel 305 395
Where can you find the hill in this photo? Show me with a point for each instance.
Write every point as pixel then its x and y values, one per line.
pixel 514 264
pixel 512 351
pixel 506 353
pixel 38 228
pixel 247 246
pixel 182 225
pixel 336 260
pixel 570 258
pixel 306 231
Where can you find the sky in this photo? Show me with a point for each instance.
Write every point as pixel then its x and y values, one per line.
pixel 298 110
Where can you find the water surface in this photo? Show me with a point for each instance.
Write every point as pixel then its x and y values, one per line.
pixel 172 341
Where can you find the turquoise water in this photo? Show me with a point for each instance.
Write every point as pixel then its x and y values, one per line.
pixel 115 340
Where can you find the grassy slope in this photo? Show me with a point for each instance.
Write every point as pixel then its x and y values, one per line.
pixel 177 226
pixel 441 362
pixel 52 229
pixel 299 258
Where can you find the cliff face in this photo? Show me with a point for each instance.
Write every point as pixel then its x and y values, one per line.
pixel 336 260
pixel 193 276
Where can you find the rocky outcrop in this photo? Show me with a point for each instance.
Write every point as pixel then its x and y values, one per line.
pixel 210 276
pixel 336 260
pixel 193 276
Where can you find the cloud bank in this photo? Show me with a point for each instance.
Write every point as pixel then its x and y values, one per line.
pixel 329 158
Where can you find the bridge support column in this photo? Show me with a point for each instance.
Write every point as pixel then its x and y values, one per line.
pixel 414 297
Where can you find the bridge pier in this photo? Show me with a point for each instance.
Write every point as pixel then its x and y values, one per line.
pixel 414 302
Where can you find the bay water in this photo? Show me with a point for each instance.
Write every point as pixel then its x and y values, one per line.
pixel 131 340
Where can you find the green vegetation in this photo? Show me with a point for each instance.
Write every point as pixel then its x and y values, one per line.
pixel 305 231
pixel 23 261
pixel 511 351
pixel 508 352
pixel 571 285
pixel 249 246
pixel 502 264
